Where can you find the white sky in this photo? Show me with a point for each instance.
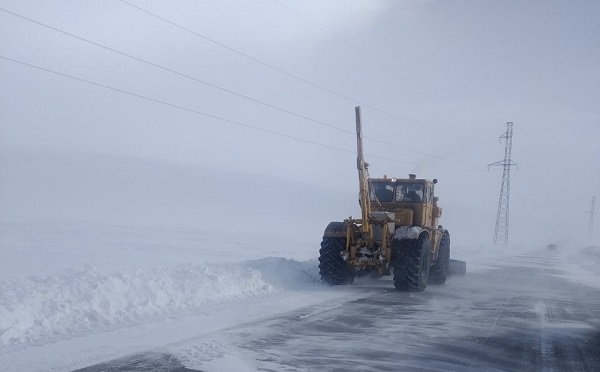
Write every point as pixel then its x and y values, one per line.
pixel 463 68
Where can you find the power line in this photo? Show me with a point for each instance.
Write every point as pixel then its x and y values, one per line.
pixel 172 104
pixel 353 47
pixel 141 60
pixel 175 72
pixel 238 123
pixel 315 85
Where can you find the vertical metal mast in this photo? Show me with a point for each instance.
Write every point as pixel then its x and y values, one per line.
pixel 365 202
pixel 501 232
pixel 591 223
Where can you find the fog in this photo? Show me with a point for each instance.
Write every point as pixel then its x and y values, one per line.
pixel 437 79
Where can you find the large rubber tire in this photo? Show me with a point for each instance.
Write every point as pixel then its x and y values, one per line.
pixel 412 260
pixel 439 270
pixel 332 267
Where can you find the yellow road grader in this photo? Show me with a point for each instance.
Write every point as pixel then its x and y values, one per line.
pixel 398 233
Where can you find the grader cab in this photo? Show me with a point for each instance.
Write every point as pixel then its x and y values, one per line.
pixel 398 233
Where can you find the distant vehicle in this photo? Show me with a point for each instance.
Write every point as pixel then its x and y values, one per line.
pixel 398 233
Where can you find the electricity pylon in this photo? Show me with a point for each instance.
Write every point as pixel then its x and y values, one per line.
pixel 591 223
pixel 501 232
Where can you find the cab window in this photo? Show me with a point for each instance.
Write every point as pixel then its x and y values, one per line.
pixel 409 192
pixel 382 192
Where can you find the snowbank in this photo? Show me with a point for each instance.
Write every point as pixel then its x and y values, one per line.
pixel 38 309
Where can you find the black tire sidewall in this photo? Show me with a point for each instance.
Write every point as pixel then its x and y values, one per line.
pixel 332 268
pixel 425 247
pixel 439 270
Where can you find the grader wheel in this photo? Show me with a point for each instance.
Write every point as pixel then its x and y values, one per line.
pixel 411 261
pixel 439 270
pixel 332 267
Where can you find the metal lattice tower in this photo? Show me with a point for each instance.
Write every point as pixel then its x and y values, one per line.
pixel 501 232
pixel 591 223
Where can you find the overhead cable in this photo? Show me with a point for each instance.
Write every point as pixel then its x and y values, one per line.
pixel 141 60
pixel 353 47
pixel 306 81
pixel 234 122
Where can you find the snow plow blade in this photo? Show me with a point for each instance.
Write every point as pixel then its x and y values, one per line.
pixel 457 268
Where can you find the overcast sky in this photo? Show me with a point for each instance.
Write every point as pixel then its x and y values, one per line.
pixel 439 79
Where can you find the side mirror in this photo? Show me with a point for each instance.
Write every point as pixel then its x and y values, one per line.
pixel 434 181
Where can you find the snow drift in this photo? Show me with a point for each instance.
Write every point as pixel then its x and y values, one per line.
pixel 38 309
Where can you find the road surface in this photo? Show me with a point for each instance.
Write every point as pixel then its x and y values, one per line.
pixel 519 317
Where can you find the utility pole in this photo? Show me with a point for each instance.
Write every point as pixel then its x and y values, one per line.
pixel 591 223
pixel 501 232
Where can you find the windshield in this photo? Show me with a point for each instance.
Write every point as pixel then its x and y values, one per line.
pixel 403 192
pixel 409 192
pixel 383 191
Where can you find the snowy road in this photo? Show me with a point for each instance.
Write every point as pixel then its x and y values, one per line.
pixel 522 315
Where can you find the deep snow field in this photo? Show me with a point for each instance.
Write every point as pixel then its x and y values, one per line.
pixel 82 282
